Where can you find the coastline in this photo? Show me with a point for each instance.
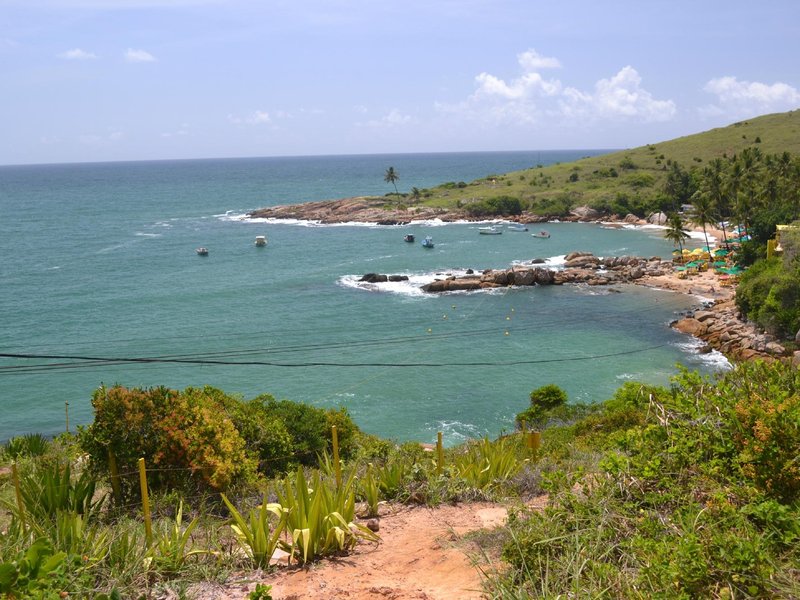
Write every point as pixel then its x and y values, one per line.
pixel 717 325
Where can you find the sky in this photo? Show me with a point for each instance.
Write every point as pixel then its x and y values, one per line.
pixel 108 80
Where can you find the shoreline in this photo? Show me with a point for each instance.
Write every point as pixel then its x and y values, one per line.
pixel 717 325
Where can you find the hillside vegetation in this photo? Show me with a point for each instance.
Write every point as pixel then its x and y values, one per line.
pixel 636 176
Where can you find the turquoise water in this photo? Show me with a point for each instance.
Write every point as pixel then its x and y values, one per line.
pixel 99 262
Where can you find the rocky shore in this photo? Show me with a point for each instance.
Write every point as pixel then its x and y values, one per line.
pixel 718 323
pixel 382 211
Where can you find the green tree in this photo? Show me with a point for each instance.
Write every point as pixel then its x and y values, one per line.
pixel 415 193
pixel 702 214
pixel 391 176
pixel 675 231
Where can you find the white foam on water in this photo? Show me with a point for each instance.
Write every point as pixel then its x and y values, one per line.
pixel 454 432
pixel 714 359
pixel 413 285
pixel 149 235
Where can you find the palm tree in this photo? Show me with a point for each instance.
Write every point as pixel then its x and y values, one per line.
pixel 675 232
pixel 415 193
pixel 702 214
pixel 391 176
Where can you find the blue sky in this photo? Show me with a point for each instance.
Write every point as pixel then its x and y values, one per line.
pixel 97 80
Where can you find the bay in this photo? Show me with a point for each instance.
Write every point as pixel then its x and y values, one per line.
pixel 99 262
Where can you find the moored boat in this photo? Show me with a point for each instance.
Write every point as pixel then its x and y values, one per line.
pixel 202 251
pixel 489 231
pixel 261 240
pixel 427 242
pixel 517 227
pixel 409 237
pixel 541 234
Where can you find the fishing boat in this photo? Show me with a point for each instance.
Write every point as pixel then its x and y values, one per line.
pixel 427 242
pixel 541 234
pixel 489 231
pixel 261 240
pixel 202 251
pixel 409 237
pixel 517 227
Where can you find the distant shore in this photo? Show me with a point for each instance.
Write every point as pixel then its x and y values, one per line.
pixel 723 330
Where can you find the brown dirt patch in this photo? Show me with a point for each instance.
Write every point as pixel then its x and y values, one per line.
pixel 421 556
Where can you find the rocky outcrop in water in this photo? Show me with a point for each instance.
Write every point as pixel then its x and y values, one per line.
pixel 721 328
pixel 580 267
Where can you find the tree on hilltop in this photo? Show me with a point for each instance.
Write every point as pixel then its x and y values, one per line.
pixel 391 176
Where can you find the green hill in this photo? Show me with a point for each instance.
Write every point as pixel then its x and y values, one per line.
pixel 636 175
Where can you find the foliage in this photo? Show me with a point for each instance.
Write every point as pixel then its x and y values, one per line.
pixel 184 435
pixel 495 206
pixel 370 491
pixel 38 572
pixel 172 541
pixel 320 518
pixel 30 444
pixel 697 496
pixel 255 534
pixel 543 401
pixel 769 294
pixel 310 428
pixel 46 490
pixel 486 465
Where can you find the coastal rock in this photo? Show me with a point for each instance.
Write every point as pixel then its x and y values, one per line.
pixel 691 326
pixel 704 315
pixel 796 359
pixel 657 218
pixel 398 277
pixel 585 212
pixel 582 261
pixel 775 348
pixel 574 255
pixel 374 278
pixel 631 219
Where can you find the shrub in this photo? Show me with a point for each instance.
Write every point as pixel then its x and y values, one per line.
pixel 183 436
pixel 496 206
pixel 543 401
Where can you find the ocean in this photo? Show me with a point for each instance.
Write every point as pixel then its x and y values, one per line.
pixel 99 262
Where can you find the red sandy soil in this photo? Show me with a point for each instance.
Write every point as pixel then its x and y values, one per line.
pixel 421 556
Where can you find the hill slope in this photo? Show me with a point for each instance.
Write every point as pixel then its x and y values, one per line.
pixel 638 174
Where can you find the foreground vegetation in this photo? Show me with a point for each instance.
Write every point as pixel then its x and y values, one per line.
pixel 691 491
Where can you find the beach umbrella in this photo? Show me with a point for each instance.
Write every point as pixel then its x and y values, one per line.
pixel 721 252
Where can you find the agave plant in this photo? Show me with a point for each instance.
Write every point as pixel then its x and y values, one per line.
pixel 370 491
pixel 489 463
pixel 171 543
pixel 320 520
pixel 47 491
pixel 30 444
pixel 254 534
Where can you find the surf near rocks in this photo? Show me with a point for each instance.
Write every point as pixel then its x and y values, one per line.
pixel 579 267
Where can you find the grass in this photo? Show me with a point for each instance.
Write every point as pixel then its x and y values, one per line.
pixel 641 172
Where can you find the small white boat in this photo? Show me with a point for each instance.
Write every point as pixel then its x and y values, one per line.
pixel 261 240
pixel 541 234
pixel 517 228
pixel 202 251
pixel 409 237
pixel 427 242
pixel 489 231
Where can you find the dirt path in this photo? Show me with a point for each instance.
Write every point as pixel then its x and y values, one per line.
pixel 419 558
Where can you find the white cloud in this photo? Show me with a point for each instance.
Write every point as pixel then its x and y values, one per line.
pixel 76 54
pixel 745 98
pixel 619 96
pixel 138 56
pixel 257 117
pixel 531 60
pixel 530 97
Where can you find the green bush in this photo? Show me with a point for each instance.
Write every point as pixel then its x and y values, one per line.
pixel 184 437
pixel 496 206
pixel 769 294
pixel 543 401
